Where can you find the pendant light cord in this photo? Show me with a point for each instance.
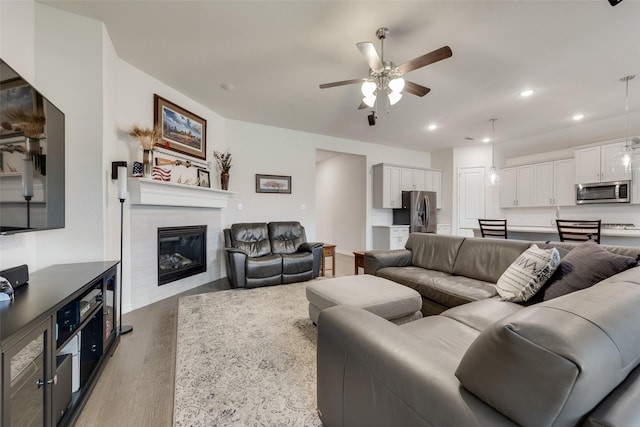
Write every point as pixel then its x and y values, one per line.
pixel 493 135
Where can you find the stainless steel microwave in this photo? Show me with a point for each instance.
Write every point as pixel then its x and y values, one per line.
pixel 604 192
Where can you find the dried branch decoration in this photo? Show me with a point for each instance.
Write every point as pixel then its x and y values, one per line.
pixel 224 160
pixel 147 137
pixel 31 122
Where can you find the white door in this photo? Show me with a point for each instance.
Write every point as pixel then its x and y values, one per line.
pixel 471 187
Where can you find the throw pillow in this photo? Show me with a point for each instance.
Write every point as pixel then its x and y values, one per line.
pixel 527 274
pixel 584 266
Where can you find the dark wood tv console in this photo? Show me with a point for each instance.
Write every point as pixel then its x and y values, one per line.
pixel 55 338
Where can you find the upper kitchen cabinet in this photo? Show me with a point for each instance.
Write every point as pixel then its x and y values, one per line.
pixel 539 184
pixel 387 186
pixel 414 179
pixel 517 187
pixel 390 181
pixel 595 164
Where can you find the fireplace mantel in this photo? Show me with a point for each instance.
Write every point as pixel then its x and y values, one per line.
pixel 145 191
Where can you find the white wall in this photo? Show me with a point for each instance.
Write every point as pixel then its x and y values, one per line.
pixel 443 160
pixel 260 149
pixel 60 54
pixel 341 183
pixel 71 60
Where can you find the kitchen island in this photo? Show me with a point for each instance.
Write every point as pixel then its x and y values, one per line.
pixel 610 234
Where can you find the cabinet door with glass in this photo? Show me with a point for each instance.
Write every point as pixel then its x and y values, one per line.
pixel 27 379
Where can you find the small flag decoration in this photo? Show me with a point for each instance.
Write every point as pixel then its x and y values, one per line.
pixel 161 174
pixel 137 169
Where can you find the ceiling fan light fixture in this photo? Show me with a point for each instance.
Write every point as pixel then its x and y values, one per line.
pixel 370 100
pixel 394 97
pixel 368 88
pixel 397 84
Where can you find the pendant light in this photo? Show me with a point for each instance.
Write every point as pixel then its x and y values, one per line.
pixel 627 158
pixel 493 178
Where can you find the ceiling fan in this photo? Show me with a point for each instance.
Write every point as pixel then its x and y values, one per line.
pixel 385 78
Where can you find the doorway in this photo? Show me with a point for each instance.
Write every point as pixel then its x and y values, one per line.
pixel 341 200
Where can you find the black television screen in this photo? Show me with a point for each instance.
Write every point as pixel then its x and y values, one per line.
pixel 31 157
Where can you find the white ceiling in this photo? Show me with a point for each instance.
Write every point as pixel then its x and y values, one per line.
pixel 276 53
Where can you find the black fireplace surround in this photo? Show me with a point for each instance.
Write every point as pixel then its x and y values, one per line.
pixel 182 252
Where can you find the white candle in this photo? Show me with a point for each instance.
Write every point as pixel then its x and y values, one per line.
pixel 27 178
pixel 122 182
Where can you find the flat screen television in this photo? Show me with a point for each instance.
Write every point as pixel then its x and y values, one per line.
pixel 31 157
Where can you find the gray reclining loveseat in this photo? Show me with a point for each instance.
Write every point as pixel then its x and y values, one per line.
pixel 261 254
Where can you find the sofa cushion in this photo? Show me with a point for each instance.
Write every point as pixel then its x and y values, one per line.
pixel 550 364
pixel 487 259
pixel 286 236
pixel 410 276
pixel 452 291
pixel 295 263
pixel 584 266
pixel 253 238
pixel 264 266
pixel 481 314
pixel 528 273
pixel 433 251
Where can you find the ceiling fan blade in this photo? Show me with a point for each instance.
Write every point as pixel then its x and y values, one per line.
pixel 342 83
pixel 370 52
pixel 415 88
pixel 362 106
pixel 426 59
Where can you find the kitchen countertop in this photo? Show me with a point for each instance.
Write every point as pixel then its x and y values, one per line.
pixel 619 232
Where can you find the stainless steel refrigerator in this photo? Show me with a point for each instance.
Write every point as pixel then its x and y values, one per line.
pixel 418 211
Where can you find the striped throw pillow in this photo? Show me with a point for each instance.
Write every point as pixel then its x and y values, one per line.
pixel 527 274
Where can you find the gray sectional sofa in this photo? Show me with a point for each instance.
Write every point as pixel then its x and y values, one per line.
pixel 452 270
pixel 568 361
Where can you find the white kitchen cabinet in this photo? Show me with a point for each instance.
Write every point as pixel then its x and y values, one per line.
pixel 538 184
pixel 608 156
pixel 389 237
pixel 554 183
pixel 414 179
pixel 595 164
pixel 543 195
pixel 387 190
pixel 508 190
pixel 564 188
pixel 525 186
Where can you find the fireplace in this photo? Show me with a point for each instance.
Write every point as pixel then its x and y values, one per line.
pixel 182 252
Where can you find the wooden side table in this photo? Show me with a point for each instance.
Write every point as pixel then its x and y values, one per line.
pixel 358 261
pixel 329 250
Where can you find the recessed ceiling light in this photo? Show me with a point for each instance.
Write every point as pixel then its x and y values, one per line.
pixel 433 127
pixel 526 92
pixel 485 140
pixel 227 86
pixel 578 117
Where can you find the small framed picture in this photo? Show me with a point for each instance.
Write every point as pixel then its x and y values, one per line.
pixel 273 184
pixel 203 178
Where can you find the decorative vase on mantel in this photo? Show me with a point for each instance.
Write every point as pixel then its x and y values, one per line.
pixel 147 161
pixel 224 180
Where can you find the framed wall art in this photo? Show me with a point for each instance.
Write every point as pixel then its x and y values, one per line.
pixel 182 131
pixel 203 178
pixel 273 184
pixel 16 95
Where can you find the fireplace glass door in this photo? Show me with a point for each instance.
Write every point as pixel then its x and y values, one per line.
pixel 182 252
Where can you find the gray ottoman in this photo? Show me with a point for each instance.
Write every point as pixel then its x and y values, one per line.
pixel 395 302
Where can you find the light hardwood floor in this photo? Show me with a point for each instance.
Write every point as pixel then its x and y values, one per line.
pixel 136 386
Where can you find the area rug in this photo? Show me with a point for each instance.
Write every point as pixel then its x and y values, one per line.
pixel 246 357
